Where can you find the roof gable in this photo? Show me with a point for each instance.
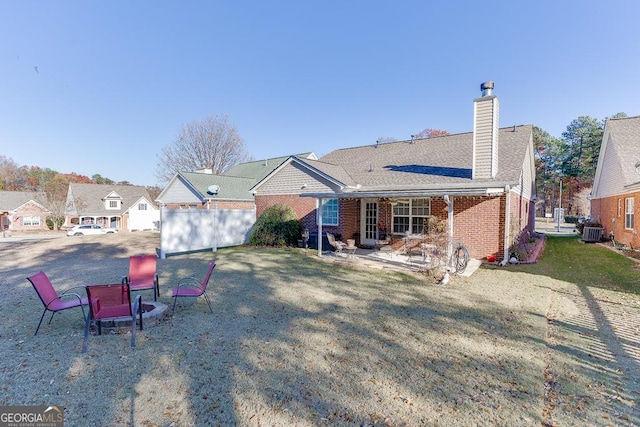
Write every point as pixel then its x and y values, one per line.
pixel 323 170
pixel 258 170
pixel 151 206
pixel 618 165
pixel 113 196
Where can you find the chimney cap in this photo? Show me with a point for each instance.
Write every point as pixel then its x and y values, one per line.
pixel 487 89
pixel 486 86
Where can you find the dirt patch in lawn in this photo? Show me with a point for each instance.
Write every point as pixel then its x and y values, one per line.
pixel 295 341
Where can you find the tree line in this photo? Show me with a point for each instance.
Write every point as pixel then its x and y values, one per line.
pixel 214 143
pixel 568 162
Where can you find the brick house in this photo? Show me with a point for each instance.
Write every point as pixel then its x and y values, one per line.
pixel 205 210
pixel 482 183
pixel 191 190
pixel 124 207
pixel 616 185
pixel 23 211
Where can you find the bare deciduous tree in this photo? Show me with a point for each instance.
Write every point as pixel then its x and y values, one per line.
pixel 56 193
pixel 430 133
pixel 212 143
pixel 12 177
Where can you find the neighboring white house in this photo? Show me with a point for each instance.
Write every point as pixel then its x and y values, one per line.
pixel 125 207
pixel 143 215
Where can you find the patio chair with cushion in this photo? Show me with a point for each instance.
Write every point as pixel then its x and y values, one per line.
pixel 350 248
pixel 109 302
pixel 53 301
pixel 142 274
pixel 384 246
pixel 337 244
pixel 191 287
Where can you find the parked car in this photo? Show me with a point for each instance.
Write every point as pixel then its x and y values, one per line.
pixel 88 229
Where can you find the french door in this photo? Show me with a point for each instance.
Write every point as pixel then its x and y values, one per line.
pixel 369 222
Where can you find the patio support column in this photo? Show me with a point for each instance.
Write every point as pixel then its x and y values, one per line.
pixel 319 216
pixel 449 201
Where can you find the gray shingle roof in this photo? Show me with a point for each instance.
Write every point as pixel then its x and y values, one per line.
pixel 89 198
pixel 334 171
pixel 443 160
pixel 10 200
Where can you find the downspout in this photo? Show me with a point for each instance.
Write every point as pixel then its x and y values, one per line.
pixel 319 210
pixel 507 224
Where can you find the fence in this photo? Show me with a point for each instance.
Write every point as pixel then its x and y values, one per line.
pixel 185 230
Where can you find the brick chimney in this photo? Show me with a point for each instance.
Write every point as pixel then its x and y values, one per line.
pixel 485 134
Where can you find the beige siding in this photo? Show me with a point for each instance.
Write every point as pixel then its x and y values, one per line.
pixel 611 178
pixel 178 192
pixel 291 179
pixel 485 138
pixel 527 178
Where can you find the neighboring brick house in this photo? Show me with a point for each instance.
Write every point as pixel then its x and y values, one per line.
pixel 616 185
pixel 191 190
pixel 202 210
pixel 481 182
pixel 23 211
pixel 124 207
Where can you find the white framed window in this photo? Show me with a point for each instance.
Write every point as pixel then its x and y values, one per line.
pixel 329 211
pixel 411 215
pixel 401 217
pixel 628 213
pixel 142 206
pixel 112 204
pixel 420 211
pixel 619 208
pixel 32 220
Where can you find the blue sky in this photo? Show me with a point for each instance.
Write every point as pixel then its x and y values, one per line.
pixel 100 87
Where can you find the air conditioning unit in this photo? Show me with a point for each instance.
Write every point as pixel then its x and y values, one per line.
pixel 592 234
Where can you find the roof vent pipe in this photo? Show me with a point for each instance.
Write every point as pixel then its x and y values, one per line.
pixel 486 88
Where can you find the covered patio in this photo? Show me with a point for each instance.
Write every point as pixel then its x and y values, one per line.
pixel 414 229
pixel 397 260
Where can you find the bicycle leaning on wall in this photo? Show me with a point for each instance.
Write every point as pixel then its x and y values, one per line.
pixel 459 258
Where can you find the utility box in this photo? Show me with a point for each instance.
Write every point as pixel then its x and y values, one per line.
pixel 558 215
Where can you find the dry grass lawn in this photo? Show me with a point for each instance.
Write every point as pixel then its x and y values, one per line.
pixel 295 340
